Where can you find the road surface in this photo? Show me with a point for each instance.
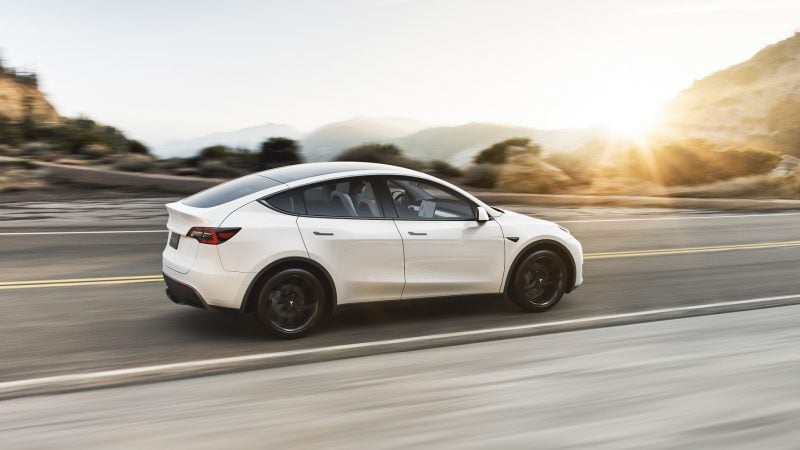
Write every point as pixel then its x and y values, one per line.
pixel 720 381
pixel 54 330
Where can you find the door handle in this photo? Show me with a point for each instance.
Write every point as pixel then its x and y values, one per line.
pixel 318 233
pixel 414 233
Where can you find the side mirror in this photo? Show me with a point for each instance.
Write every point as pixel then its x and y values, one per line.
pixel 483 216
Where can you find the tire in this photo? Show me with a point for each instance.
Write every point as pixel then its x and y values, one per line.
pixel 291 303
pixel 539 282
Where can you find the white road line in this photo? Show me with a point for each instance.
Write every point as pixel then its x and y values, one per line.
pixel 54 381
pixel 42 233
pixel 714 216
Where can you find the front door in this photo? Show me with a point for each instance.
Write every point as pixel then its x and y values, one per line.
pixel 447 251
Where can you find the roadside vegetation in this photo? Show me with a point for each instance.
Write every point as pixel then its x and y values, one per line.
pixel 660 166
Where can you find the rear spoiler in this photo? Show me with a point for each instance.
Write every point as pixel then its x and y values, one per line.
pixel 183 217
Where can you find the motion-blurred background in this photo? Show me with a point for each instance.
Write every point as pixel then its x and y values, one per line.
pixel 665 134
pixel 659 97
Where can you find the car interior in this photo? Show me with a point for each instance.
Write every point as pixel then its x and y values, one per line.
pixel 418 200
pixel 412 199
pixel 352 198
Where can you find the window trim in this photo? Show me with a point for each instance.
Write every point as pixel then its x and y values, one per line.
pixel 294 192
pixel 473 205
pixel 376 188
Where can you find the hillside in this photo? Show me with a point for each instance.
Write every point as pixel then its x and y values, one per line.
pixel 249 137
pixel 459 144
pixel 756 101
pixel 20 97
pixel 328 140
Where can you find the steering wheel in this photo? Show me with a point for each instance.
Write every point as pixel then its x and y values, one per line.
pixel 400 198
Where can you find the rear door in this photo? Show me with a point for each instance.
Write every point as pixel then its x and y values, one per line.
pixel 447 251
pixel 347 232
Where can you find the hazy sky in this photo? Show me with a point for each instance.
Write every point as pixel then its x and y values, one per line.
pixel 174 69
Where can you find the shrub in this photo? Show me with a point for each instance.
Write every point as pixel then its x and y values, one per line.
pixel 498 153
pixel 133 163
pixel 375 153
pixel 443 169
pixel 95 151
pixel 481 176
pixel 215 152
pixel 36 149
pixel 379 153
pixel 526 172
pixel 216 168
pixel 172 163
pixel 137 147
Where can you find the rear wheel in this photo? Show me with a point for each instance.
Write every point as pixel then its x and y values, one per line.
pixel 539 281
pixel 291 303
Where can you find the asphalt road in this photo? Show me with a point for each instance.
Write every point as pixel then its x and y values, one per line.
pixel 721 381
pixel 74 329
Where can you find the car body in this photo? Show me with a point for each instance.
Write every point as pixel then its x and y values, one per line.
pixel 354 232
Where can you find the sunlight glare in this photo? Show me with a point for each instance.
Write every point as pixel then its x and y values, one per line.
pixel 629 109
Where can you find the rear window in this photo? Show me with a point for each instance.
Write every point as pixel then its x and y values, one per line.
pixel 229 191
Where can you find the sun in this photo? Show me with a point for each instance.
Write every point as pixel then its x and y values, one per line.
pixel 629 122
pixel 630 109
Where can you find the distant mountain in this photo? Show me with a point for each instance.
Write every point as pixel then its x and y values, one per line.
pixel 246 137
pixel 756 101
pixel 459 144
pixel 20 97
pixel 456 144
pixel 328 140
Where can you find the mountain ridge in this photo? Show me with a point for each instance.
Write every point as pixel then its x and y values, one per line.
pixel 20 97
pixel 248 137
pixel 756 101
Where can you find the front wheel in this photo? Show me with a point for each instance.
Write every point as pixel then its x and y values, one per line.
pixel 291 303
pixel 539 281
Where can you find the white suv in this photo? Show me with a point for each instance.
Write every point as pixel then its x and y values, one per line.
pixel 289 244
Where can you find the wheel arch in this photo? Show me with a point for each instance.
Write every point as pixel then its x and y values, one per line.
pixel 292 262
pixel 544 244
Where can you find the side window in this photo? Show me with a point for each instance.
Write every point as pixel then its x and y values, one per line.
pixel 289 202
pixel 353 197
pixel 422 200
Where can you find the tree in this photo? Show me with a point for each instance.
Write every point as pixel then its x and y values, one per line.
pixel 376 153
pixel 279 151
pixel 379 153
pixel 498 153
pixel 215 152
pixel 137 147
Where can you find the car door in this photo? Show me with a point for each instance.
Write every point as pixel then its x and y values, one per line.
pixel 345 230
pixel 447 251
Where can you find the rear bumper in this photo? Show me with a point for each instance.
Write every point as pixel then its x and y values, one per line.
pixel 183 294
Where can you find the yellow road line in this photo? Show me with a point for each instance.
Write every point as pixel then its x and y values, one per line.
pixel 84 280
pixel 88 283
pixel 79 282
pixel 589 256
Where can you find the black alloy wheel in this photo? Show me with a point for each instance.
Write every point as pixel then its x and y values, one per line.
pixel 539 281
pixel 291 303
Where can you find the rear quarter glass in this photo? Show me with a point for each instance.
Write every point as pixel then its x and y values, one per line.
pixel 229 191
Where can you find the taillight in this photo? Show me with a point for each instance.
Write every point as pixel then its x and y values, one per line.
pixel 213 236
